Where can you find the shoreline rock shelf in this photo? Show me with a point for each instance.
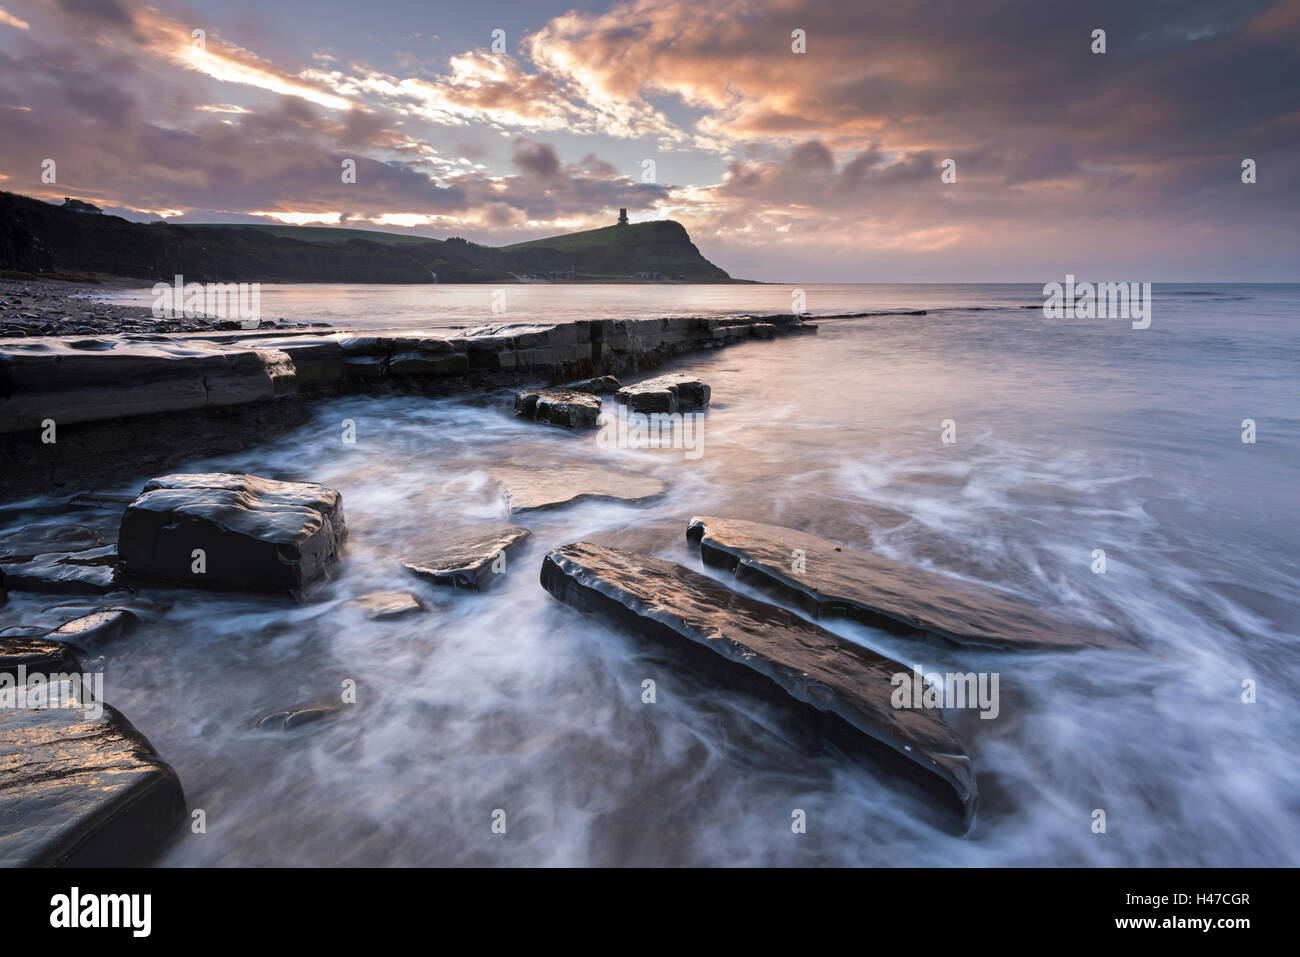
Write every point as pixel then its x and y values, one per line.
pixel 747 639
pixel 110 377
pixel 205 390
pixel 839 582
pixel 251 532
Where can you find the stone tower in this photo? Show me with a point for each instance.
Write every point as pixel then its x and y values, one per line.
pixel 622 217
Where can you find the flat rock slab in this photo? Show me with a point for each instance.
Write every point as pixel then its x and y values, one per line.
pixel 254 532
pixel 89 572
pixel 839 582
pixel 81 791
pixel 464 558
pixel 666 394
pixel 97 628
pixel 388 604
pixel 26 543
pixel 527 488
pixel 674 605
pixel 38 655
pixel 571 409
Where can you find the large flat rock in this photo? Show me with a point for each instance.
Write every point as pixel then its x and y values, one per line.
pixel 527 488
pixel 254 532
pixel 464 558
pixel 839 582
pixel 81 791
pixel 686 610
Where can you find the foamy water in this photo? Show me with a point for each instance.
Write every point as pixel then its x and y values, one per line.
pixel 1071 436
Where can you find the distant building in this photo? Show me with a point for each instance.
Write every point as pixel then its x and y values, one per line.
pixel 77 206
pixel 622 217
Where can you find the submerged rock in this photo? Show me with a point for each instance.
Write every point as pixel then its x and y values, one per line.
pixel 26 543
pixel 100 501
pixel 92 571
pixel 749 639
pixel 97 628
pixel 468 558
pixel 293 718
pixel 546 486
pixel 252 532
pixel 388 604
pixel 81 791
pixel 39 655
pixel 601 385
pixel 835 581
pixel 572 409
pixel 666 393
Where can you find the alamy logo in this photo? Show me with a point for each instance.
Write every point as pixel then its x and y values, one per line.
pixel 1103 300
pixel 73 691
pixel 915 689
pixel 241 301
pixel 654 430
pixel 74 909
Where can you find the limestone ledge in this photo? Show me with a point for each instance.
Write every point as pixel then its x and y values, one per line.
pixel 91 379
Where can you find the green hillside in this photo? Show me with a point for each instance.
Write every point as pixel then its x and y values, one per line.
pixel 320 234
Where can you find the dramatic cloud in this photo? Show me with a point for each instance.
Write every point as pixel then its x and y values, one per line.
pixel 822 164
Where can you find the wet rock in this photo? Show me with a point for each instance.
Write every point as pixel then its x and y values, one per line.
pixel 97 628
pixel 31 540
pixel 81 791
pixel 465 558
pixel 666 394
pixel 317 360
pixel 89 572
pixel 839 582
pixel 602 385
pixel 427 356
pixel 253 532
pixel 293 718
pixel 38 655
pixel 574 410
pixel 388 604
pixel 87 380
pixel 549 486
pixel 759 646
pixel 100 501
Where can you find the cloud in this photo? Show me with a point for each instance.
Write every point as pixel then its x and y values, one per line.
pixel 1136 151
pixel 9 20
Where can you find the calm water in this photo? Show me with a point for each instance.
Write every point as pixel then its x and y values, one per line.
pixel 1071 436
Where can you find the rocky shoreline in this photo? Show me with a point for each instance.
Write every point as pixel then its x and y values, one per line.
pixel 109 399
pixel 31 308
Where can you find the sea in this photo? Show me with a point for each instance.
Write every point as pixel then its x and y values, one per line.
pixel 1143 481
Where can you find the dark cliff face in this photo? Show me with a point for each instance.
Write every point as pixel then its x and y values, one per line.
pixel 36 237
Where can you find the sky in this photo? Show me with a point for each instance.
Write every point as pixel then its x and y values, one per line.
pixel 797 140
